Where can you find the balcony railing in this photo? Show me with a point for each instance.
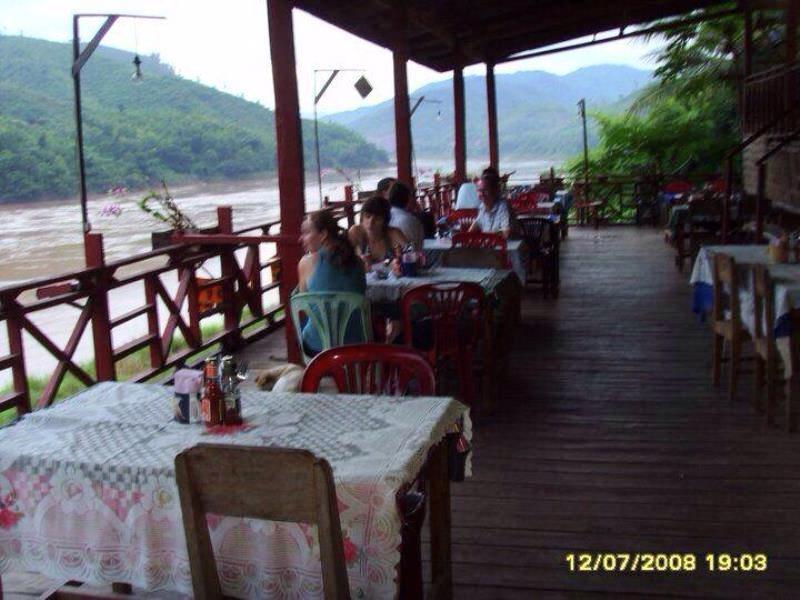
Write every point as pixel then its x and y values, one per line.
pixel 770 93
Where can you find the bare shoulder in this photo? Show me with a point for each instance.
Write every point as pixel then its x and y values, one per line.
pixel 396 237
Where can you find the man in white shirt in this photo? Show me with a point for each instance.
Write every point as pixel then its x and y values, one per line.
pixel 409 224
pixel 494 216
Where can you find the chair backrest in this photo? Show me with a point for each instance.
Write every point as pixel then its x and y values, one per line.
pixel 677 186
pixel 538 231
pixel 705 205
pixel 724 276
pixel 764 306
pixel 463 218
pixel 372 369
pixel 333 315
pixel 274 484
pixel 524 203
pixel 456 312
pixel 474 258
pixel 488 241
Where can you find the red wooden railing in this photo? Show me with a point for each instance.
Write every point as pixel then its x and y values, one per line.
pixel 240 279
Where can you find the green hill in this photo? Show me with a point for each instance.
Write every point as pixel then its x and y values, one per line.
pixel 537 112
pixel 135 133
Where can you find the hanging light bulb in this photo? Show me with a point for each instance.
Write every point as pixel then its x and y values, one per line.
pixel 439 115
pixel 137 70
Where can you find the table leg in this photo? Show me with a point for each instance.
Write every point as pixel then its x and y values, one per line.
pixel 439 486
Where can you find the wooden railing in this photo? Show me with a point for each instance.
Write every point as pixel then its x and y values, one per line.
pixel 240 285
pixel 770 93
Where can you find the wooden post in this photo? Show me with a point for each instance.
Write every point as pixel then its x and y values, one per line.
pixel 491 109
pixel 791 31
pixel 101 321
pixel 762 185
pixel 228 267
pixel 460 126
pixel 349 210
pixel 402 113
pixel 289 150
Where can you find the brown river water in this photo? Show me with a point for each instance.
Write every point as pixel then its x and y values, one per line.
pixel 44 239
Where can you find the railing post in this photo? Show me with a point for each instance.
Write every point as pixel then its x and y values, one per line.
pixel 762 185
pixel 726 202
pixel 231 312
pixel 18 373
pixel 349 210
pixel 101 320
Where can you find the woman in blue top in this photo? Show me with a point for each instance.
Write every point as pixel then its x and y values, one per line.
pixel 330 265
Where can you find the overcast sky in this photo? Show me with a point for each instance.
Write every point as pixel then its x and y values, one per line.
pixel 225 45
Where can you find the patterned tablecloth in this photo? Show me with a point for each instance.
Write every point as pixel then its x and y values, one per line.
pixel 88 489
pixel 392 288
pixel 435 250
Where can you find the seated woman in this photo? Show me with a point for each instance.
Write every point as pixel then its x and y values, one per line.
pixel 375 242
pixel 330 265
pixel 373 239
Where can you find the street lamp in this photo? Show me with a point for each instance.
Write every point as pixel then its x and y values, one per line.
pixel 414 108
pixel 79 59
pixel 362 86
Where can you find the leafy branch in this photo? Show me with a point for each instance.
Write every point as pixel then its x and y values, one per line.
pixel 167 211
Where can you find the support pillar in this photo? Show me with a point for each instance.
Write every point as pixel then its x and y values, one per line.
pixel 460 126
pixel 289 150
pixel 402 116
pixel 491 110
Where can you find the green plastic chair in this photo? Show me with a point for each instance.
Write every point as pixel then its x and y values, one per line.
pixel 330 313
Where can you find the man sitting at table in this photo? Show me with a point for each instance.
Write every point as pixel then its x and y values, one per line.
pixel 409 224
pixel 494 215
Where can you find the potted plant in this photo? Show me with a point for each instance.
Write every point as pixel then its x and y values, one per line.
pixel 162 206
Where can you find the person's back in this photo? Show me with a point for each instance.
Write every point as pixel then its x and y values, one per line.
pixel 327 277
pixel 409 224
pixel 467 196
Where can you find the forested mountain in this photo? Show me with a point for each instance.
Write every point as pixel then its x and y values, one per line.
pixel 537 112
pixel 135 133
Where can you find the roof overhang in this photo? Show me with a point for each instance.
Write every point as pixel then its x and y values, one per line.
pixel 443 34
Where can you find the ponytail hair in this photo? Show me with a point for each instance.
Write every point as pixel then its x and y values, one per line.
pixel 342 253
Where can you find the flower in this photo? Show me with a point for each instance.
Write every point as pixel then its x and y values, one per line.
pixel 350 550
pixel 112 209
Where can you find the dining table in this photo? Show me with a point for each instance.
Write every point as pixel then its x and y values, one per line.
pixel 436 248
pixel 88 491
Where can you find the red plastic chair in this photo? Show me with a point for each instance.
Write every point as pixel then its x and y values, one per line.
pixel 372 369
pixel 486 241
pixel 523 203
pixel 456 312
pixel 462 218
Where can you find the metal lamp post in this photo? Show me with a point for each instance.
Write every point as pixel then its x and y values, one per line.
pixel 362 86
pixel 414 108
pixel 79 59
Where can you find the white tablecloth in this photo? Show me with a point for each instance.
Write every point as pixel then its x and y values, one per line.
pixel 89 493
pixel 436 248
pixel 392 288
pixel 786 278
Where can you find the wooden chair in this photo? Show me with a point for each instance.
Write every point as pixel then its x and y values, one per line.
pixel 372 369
pixel 703 226
pixel 542 239
pixel 274 484
pixel 766 351
pixel 726 327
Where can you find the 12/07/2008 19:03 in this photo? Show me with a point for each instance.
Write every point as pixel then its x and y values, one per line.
pixel 655 562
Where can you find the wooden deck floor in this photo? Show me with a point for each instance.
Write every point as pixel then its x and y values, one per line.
pixel 610 438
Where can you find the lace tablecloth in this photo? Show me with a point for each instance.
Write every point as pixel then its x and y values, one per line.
pixel 88 489
pixel 392 288
pixel 435 250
